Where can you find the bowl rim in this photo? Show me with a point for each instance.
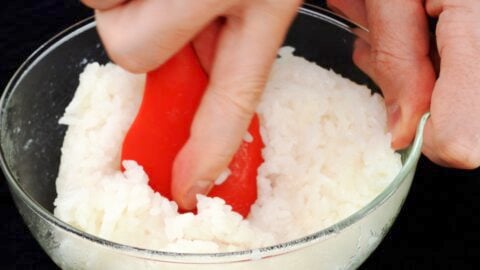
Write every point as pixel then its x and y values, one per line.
pixel 412 155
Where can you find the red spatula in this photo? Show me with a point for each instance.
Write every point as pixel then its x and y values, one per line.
pixel 162 126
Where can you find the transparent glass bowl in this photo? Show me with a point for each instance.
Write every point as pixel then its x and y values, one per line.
pixel 30 140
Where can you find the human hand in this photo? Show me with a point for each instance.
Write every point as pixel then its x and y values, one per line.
pixel 236 41
pixel 397 57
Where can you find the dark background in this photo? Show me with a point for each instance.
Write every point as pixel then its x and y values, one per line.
pixel 438 227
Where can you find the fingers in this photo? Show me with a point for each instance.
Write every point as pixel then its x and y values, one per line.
pixel 103 4
pixel 401 65
pixel 452 135
pixel 247 47
pixel 140 35
pixel 353 9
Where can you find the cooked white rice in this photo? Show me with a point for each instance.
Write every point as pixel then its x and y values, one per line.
pixel 327 154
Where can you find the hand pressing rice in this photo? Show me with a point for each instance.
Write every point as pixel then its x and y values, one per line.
pixel 327 154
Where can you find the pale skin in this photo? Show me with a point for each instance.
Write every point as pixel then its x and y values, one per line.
pixel 237 41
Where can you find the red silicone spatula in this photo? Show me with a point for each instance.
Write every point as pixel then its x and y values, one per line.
pixel 162 126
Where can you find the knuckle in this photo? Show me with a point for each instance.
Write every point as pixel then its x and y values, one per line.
pixel 459 151
pixel 386 63
pixel 461 7
pixel 132 64
pixel 217 151
pixel 237 107
pixel 126 52
pixel 121 55
pixel 241 96
pixel 382 63
pixel 382 56
pixel 455 4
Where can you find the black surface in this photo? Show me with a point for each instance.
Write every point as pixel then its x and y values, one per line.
pixel 438 227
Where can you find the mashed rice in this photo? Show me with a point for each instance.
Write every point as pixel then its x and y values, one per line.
pixel 327 154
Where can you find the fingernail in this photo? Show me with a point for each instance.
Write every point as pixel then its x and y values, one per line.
pixel 200 187
pixel 393 112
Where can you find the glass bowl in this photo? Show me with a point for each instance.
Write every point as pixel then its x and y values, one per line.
pixel 31 138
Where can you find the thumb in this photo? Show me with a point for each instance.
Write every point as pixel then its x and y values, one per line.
pixel 246 50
